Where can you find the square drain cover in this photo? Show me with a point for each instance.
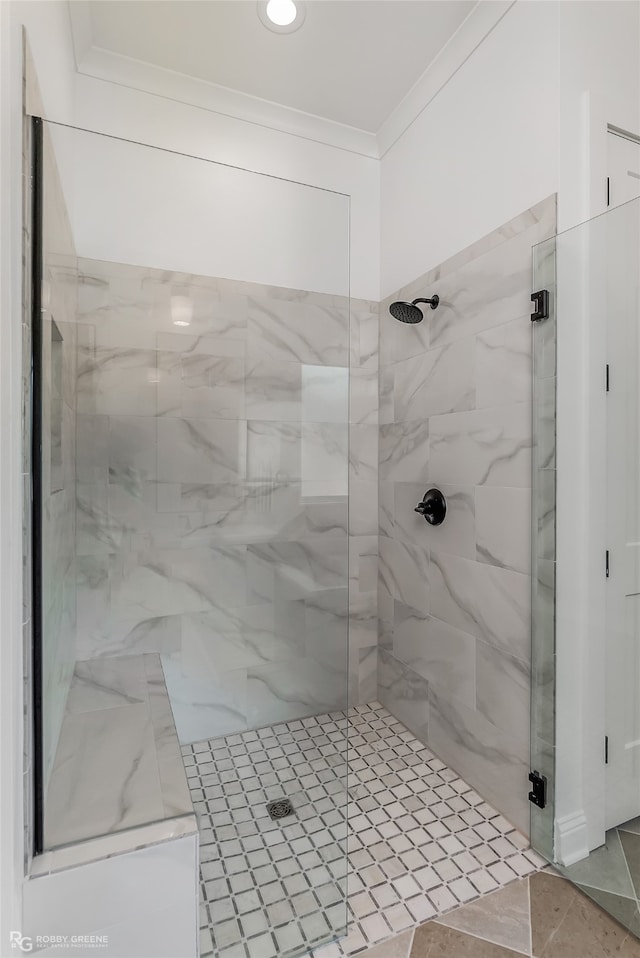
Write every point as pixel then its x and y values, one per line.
pixel 280 809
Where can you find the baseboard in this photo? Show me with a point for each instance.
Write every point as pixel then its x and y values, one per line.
pixel 571 838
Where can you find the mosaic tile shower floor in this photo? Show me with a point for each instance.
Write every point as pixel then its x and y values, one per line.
pixel 420 840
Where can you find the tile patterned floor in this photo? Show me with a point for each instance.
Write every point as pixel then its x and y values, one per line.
pixel 543 916
pixel 420 840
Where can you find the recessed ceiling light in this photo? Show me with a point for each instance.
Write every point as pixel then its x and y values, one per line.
pixel 282 16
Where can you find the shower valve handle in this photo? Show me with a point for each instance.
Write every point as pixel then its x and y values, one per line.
pixel 433 507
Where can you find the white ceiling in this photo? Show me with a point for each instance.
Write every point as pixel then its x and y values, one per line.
pixel 352 61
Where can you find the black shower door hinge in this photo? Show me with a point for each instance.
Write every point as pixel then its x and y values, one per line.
pixel 538 793
pixel 541 302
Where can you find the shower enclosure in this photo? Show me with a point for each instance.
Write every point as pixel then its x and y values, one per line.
pixel 586 639
pixel 191 358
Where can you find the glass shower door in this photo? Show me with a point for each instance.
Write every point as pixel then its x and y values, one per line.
pixel 197 351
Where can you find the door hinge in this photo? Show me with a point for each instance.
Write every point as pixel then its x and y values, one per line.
pixel 606 563
pixel 607 378
pixel 608 191
pixel 538 793
pixel 606 750
pixel 541 302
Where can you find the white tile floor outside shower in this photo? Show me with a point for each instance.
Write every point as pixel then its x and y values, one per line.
pixel 420 840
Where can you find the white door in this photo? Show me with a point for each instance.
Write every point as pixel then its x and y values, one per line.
pixel 621 503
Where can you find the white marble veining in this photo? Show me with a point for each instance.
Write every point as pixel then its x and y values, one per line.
pixel 214 467
pixel 484 446
pixel 117 764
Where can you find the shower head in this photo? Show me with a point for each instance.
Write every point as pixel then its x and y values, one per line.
pixel 409 312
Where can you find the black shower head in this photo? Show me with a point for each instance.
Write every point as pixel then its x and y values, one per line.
pixel 409 312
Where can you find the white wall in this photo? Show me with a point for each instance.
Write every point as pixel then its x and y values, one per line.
pixel 148 207
pixel 51 44
pixel 482 152
pixel 145 118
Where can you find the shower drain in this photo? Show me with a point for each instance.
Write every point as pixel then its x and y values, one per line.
pixel 280 809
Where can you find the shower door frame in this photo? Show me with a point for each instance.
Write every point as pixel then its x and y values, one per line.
pixel 35 265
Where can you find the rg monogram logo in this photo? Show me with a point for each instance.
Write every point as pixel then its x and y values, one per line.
pixel 23 942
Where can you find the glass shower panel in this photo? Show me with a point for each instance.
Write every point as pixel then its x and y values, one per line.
pixel 210 404
pixel 586 660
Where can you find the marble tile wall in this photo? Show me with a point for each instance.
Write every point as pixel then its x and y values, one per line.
pixel 213 464
pixel 454 600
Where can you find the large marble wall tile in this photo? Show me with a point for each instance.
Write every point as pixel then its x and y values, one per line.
pixel 296 570
pixel 386 403
pixel 363 453
pixel 405 572
pixel 363 395
pixel 404 693
pixel 363 621
pixel 457 534
pixel 107 684
pixel 190 345
pixel 503 683
pixel 487 446
pixel 386 507
pixel 92 448
pixel 273 390
pixel 436 382
pixel 325 394
pixel 503 609
pixel 363 563
pixel 363 676
pixel 117 382
pixel 452 583
pixel 491 603
pixel 204 704
pixel 363 507
pixel 198 386
pixel 488 291
pixel 298 332
pixel 230 638
pixel 503 365
pixel 404 450
pixel 132 450
pixel 325 458
pixel 120 740
pixel 287 691
pixel 205 516
pixel 363 334
pixel 96 533
pixel 486 757
pixel 199 450
pixel 274 451
pixel 503 527
pixel 445 656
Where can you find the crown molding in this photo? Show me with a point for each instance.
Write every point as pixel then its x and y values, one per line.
pixel 115 68
pixel 484 17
